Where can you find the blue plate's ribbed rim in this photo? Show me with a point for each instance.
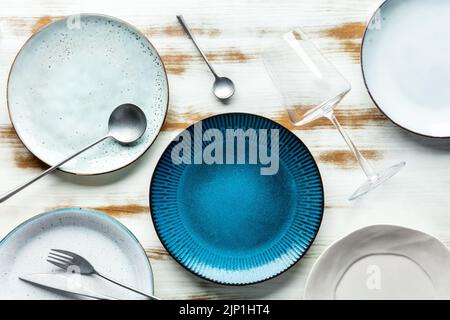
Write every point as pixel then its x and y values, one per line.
pixel 275 275
pixel 90 211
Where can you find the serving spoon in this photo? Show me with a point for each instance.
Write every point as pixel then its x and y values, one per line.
pixel 127 123
pixel 223 87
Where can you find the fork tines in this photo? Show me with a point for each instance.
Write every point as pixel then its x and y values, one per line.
pixel 60 259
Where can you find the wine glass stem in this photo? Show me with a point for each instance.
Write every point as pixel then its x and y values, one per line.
pixel 365 165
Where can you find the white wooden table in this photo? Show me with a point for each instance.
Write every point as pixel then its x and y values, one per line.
pixel 233 34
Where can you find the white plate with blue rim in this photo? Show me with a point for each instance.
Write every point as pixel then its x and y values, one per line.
pixel 382 262
pixel 107 244
pixel 68 78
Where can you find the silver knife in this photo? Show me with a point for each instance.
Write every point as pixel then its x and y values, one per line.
pixel 62 283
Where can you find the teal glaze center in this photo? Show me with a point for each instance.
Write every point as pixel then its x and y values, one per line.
pixel 235 209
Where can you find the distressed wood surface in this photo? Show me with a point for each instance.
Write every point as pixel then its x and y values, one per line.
pixel 233 34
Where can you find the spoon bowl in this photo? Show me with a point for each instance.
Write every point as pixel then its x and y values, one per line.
pixel 127 123
pixel 223 88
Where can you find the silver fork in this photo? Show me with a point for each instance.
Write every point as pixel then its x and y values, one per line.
pixel 66 259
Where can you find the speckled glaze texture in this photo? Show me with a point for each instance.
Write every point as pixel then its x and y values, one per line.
pixel 228 223
pixel 69 77
pixel 105 242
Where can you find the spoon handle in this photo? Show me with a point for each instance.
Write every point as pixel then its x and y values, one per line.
pixel 186 28
pixel 9 194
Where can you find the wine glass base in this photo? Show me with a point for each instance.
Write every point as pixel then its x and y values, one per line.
pixel 381 177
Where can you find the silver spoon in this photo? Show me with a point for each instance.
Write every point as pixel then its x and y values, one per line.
pixel 126 125
pixel 223 87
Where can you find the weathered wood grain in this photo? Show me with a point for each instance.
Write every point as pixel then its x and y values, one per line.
pixel 233 34
pixel 346 159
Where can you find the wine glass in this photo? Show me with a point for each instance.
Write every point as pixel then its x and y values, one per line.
pixel 311 88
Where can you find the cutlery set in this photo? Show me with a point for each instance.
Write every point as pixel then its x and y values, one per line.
pixel 66 259
pixel 228 224
pixel 73 263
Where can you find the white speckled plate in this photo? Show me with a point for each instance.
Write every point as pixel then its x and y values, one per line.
pixel 382 262
pixel 406 65
pixel 105 242
pixel 69 77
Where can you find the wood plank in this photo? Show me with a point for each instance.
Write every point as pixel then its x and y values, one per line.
pixel 234 34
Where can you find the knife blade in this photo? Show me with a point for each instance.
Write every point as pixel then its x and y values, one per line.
pixel 62 283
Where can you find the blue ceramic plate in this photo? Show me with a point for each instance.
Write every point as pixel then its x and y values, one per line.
pixel 229 223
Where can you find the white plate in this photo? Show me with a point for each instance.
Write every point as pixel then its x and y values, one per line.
pixel 67 79
pixel 382 262
pixel 406 64
pixel 106 243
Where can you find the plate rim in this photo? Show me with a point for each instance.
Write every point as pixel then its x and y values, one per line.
pixel 366 30
pixel 243 283
pixel 22 48
pixel 102 215
pixel 359 230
